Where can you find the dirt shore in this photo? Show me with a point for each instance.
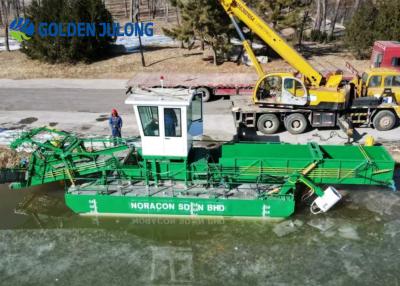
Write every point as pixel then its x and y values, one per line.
pixel 16 65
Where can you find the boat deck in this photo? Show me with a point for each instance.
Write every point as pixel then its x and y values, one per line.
pixel 169 189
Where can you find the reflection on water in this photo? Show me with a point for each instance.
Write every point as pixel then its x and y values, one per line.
pixel 42 242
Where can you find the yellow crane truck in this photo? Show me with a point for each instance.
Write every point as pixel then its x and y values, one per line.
pixel 297 100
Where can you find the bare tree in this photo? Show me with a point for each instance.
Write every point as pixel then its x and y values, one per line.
pixel 5 10
pixel 135 11
pixel 302 27
pixel 318 16
pixel 177 11
pixel 17 7
pixel 132 10
pixel 356 6
pixel 166 11
pixel 323 16
pixel 126 8
pixel 153 8
pixel 334 18
pixel 23 7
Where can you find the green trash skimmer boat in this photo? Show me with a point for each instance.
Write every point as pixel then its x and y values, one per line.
pixel 166 172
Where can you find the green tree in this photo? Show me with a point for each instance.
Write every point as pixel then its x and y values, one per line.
pixel 281 14
pixel 68 49
pixel 184 31
pixel 361 32
pixel 373 21
pixel 388 20
pixel 205 21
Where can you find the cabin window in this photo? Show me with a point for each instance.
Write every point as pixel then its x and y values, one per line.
pixel 196 108
pixel 294 86
pixel 172 122
pixel 392 81
pixel 396 62
pixel 377 59
pixel 375 81
pixel 396 81
pixel 149 119
pixel 364 78
pixel 270 88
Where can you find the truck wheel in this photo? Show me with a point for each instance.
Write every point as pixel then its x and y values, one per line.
pixel 384 120
pixel 296 123
pixel 205 93
pixel 268 123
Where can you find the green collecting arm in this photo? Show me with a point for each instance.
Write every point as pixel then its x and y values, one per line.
pixel 66 157
pixel 290 185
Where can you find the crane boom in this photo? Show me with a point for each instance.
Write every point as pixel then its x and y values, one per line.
pixel 240 10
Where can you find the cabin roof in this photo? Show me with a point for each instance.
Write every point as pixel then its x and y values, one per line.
pixel 160 97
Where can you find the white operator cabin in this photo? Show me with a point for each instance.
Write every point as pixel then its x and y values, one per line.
pixel 167 119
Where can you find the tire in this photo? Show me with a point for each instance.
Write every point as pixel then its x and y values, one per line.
pixel 206 94
pixel 268 123
pixel 384 120
pixel 296 123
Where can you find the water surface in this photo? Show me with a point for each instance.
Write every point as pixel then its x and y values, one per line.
pixel 43 243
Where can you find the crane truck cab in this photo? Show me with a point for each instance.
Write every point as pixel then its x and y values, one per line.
pixel 284 89
pixel 380 82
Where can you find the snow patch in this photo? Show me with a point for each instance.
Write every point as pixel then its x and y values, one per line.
pixel 131 43
pixel 7 136
pixel 14 45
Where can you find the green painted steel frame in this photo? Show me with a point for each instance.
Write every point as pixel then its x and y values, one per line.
pixel 68 158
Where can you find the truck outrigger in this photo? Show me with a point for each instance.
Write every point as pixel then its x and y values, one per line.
pixel 166 172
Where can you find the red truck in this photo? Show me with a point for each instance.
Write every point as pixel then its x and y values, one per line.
pixel 386 54
pixel 209 84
